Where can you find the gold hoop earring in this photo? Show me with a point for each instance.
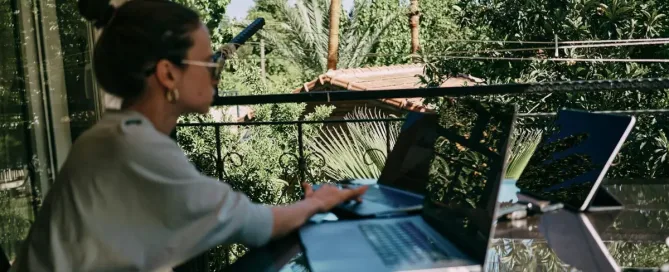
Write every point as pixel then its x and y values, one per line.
pixel 172 96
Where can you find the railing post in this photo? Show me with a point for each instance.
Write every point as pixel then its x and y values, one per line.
pixel 173 134
pixel 387 124
pixel 219 159
pixel 219 173
pixel 301 160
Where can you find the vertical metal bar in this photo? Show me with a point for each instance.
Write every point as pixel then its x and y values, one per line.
pixel 219 159
pixel 387 124
pixel 173 134
pixel 301 160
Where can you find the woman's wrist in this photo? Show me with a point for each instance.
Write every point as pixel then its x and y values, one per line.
pixel 291 217
pixel 313 205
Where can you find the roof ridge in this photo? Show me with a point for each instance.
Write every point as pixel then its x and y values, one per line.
pixel 375 71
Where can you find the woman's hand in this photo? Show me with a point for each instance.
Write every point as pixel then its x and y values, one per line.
pixel 291 217
pixel 328 196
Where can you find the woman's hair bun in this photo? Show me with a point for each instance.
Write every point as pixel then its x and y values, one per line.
pixel 97 11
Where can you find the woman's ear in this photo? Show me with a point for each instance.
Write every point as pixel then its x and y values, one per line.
pixel 166 74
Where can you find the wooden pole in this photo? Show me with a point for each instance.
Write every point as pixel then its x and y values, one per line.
pixel 414 23
pixel 333 45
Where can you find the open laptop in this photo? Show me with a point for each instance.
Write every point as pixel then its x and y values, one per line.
pixel 569 165
pixel 401 186
pixel 454 229
pixel 571 236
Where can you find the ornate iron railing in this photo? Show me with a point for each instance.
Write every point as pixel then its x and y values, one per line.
pixel 300 161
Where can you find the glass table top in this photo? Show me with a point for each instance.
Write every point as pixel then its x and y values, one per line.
pixel 636 237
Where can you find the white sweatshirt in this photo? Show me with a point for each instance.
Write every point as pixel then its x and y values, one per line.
pixel 128 199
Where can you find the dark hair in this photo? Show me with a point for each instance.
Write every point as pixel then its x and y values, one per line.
pixel 135 37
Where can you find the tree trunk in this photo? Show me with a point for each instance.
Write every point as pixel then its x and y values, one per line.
pixel 333 45
pixel 414 23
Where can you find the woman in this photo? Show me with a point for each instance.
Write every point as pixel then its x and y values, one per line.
pixel 127 198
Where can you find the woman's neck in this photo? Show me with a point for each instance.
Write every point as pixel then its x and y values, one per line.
pixel 163 118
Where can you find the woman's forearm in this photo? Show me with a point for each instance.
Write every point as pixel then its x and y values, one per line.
pixel 291 217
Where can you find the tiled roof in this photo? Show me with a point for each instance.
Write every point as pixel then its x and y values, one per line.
pixel 383 78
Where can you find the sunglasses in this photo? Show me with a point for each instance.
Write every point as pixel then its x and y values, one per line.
pixel 215 67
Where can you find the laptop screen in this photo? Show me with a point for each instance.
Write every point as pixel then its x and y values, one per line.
pixel 466 172
pixel 571 161
pixel 408 164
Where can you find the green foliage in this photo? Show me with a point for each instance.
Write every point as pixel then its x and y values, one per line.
pixel 354 150
pixel 438 25
pixel 212 13
pixel 256 159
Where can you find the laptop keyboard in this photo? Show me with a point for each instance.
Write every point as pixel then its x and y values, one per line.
pixel 401 242
pixel 390 198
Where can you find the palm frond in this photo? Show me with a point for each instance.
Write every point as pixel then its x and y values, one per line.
pixel 357 150
pixel 522 146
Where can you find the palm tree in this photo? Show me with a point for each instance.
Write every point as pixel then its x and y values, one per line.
pixel 303 36
pixel 333 42
pixel 414 23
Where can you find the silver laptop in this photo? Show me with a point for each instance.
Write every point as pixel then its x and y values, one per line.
pixel 569 165
pixel 454 229
pixel 401 186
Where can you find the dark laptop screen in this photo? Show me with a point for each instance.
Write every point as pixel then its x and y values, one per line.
pixel 408 163
pixel 467 171
pixel 577 149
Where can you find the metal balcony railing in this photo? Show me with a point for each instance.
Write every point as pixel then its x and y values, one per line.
pixel 304 162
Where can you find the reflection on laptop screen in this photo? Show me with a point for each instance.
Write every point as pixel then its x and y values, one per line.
pixel 566 166
pixel 467 170
pixel 408 164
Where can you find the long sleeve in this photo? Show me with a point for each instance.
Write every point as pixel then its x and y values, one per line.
pixel 194 212
pixel 128 199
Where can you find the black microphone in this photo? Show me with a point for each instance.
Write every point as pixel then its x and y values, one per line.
pixel 241 38
pixel 248 32
pixel 221 55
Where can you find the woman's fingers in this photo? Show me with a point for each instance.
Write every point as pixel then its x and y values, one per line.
pixel 308 190
pixel 356 193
